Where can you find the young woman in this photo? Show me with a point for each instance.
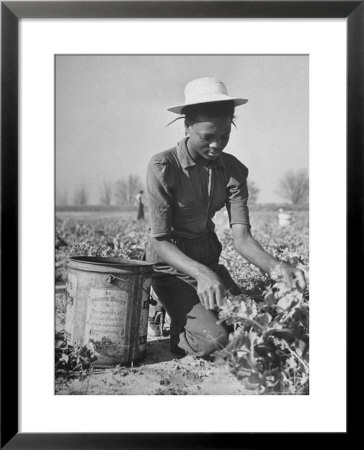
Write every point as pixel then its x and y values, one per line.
pixel 186 185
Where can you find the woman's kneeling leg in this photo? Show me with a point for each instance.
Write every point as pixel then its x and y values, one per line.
pixel 199 334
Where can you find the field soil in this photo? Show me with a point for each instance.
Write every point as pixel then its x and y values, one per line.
pixel 161 373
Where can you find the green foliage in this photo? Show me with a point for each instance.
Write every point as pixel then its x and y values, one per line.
pixel 269 348
pixel 119 238
pixel 73 360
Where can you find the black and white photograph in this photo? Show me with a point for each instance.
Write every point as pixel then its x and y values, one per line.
pixel 181 200
pixel 182 224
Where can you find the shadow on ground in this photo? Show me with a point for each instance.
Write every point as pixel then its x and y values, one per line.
pixel 158 350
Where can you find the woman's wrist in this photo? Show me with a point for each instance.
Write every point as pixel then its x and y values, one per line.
pixel 199 270
pixel 275 268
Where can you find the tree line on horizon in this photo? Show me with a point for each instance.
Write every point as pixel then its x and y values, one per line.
pixel 293 186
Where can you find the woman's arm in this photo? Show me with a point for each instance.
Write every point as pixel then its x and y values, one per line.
pixel 160 191
pixel 251 250
pixel 210 287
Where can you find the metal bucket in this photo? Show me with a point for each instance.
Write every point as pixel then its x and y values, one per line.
pixel 107 306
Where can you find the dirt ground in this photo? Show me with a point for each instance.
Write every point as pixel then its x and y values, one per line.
pixel 160 373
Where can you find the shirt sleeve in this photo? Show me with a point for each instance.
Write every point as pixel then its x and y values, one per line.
pixel 237 193
pixel 159 197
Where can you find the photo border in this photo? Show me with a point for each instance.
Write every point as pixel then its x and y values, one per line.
pixel 11 12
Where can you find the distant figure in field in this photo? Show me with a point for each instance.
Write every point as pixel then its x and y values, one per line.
pixel 140 203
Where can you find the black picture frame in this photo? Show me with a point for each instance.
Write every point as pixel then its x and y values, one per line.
pixel 11 12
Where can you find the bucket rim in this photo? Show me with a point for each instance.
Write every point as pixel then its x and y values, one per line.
pixel 106 262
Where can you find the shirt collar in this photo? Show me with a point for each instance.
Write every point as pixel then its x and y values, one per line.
pixel 187 161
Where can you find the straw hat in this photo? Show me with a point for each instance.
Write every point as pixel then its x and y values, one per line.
pixel 205 90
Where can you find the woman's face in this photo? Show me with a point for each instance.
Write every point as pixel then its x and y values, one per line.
pixel 208 137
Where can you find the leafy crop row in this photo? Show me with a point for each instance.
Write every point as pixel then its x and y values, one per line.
pixel 117 238
pixel 269 347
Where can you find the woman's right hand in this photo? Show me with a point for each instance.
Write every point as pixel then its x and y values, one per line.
pixel 210 289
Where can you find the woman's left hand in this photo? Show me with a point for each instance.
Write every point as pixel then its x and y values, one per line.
pixel 294 277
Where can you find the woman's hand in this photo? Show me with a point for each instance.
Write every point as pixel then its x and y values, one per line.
pixel 294 277
pixel 210 289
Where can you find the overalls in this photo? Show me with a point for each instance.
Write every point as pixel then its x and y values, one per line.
pixel 182 199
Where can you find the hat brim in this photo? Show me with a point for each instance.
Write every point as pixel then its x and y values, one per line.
pixel 179 108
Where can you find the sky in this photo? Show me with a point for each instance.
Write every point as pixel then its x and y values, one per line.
pixel 111 115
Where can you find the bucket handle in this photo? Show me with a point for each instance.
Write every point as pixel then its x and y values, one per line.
pixel 112 279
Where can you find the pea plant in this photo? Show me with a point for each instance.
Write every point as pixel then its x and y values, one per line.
pixel 268 349
pixel 73 360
